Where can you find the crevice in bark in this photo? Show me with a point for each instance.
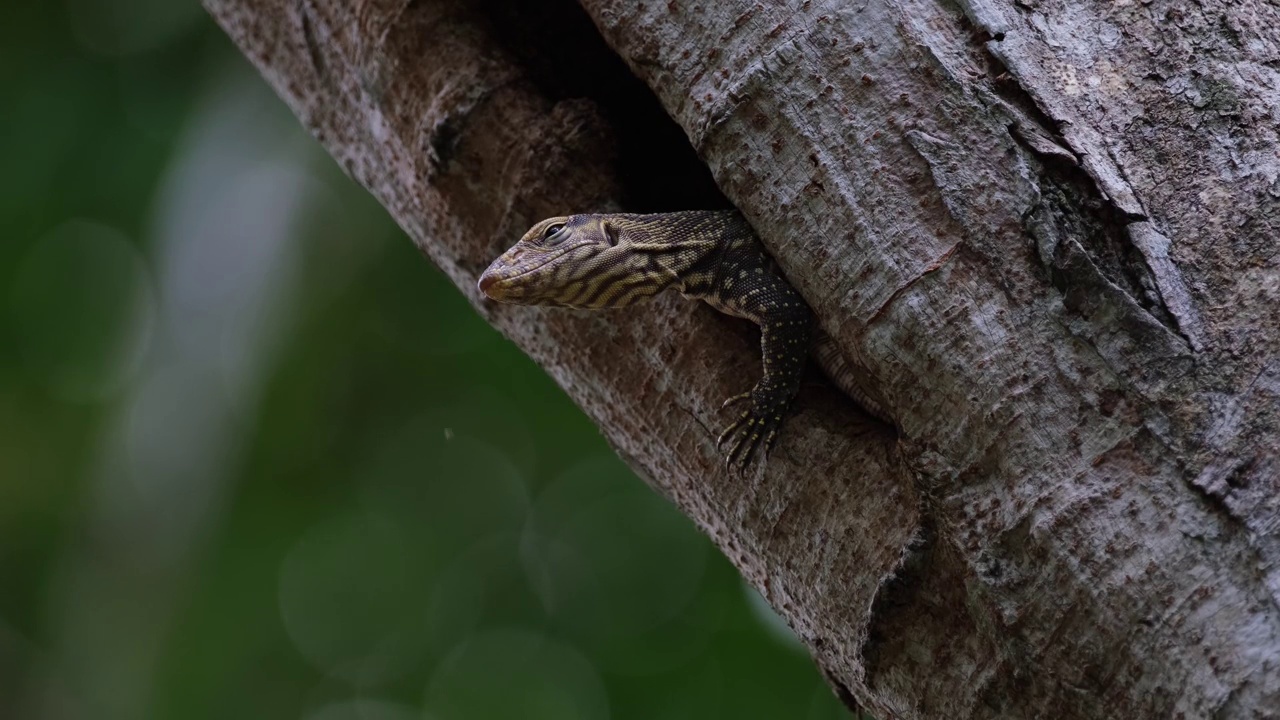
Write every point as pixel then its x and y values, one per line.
pixel 898 595
pixel 1072 217
pixel 442 141
pixel 1100 225
pixel 314 52
pixel 1006 87
pixel 565 57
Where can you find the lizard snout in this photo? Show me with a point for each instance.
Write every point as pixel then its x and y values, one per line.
pixel 487 280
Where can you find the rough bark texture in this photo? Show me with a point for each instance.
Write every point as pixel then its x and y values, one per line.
pixel 1048 229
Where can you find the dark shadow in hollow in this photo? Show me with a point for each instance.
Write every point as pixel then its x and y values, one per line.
pixel 565 56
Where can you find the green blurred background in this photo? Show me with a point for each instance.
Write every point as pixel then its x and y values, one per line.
pixel 258 459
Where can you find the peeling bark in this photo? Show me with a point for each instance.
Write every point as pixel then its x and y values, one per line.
pixel 1047 229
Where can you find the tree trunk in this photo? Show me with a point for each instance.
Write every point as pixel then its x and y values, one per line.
pixel 1047 229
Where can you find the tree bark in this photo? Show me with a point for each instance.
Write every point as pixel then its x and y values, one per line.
pixel 1047 229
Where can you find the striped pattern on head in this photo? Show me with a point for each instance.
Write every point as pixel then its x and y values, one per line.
pixel 582 261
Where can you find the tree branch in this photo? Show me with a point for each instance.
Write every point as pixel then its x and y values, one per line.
pixel 1079 517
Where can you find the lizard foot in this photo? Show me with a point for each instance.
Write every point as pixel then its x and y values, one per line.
pixel 752 434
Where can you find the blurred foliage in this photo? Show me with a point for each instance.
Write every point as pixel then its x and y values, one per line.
pixel 258 459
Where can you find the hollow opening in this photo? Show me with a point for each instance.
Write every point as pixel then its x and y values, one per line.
pixel 565 56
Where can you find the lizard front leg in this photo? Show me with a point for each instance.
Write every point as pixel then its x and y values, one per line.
pixel 785 335
pixel 746 283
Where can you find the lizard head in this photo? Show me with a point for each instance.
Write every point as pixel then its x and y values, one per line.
pixel 574 261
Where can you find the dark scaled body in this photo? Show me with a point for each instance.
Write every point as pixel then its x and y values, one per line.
pixel 614 260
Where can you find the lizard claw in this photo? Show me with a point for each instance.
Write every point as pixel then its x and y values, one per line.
pixel 752 435
pixel 744 448
pixel 730 403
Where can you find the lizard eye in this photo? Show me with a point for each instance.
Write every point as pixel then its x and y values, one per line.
pixel 552 231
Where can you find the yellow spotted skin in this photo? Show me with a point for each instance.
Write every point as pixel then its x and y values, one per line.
pixel 614 260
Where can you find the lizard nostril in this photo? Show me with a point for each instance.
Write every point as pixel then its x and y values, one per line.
pixel 487 281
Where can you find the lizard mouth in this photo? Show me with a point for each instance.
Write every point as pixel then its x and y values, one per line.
pixel 493 282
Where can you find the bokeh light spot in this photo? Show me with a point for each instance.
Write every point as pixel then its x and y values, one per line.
pixel 613 562
pixel 516 673
pixel 483 414
pixel 445 493
pixel 350 596
pixel 483 585
pixel 366 709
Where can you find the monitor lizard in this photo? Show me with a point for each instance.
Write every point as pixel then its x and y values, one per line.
pixel 616 259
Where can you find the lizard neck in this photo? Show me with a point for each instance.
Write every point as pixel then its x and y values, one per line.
pixel 680 249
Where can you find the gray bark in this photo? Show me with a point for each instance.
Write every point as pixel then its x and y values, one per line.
pixel 1047 229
